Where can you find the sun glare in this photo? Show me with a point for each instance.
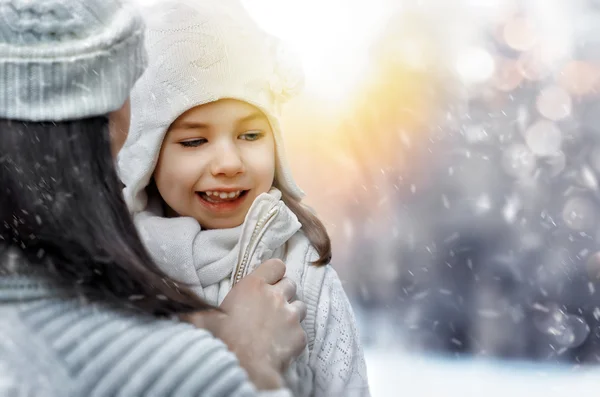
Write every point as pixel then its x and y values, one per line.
pixel 331 38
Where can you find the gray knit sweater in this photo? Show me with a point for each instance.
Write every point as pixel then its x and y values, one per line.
pixel 53 344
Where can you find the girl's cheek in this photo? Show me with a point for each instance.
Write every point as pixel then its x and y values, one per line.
pixel 166 173
pixel 186 170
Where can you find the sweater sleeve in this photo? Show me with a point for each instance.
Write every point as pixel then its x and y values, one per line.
pixel 337 357
pixel 27 367
pixel 119 353
pixel 12 384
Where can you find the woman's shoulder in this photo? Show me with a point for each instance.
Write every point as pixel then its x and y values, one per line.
pixel 27 365
pixel 102 349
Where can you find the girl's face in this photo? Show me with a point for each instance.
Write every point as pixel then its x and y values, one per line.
pixel 214 161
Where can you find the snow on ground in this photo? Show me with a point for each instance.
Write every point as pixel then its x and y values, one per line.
pixel 395 374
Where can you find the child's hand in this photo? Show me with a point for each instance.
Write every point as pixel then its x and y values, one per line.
pixel 259 324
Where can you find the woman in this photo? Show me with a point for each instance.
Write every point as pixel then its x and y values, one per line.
pixel 79 296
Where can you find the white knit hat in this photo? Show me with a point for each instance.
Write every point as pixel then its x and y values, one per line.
pixel 201 51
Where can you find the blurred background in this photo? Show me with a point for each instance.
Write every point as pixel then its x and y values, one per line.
pixel 452 148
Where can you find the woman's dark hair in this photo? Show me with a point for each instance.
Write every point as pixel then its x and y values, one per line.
pixel 61 205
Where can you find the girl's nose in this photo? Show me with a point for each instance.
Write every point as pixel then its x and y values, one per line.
pixel 227 161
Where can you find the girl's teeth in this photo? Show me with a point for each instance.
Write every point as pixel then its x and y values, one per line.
pixel 223 195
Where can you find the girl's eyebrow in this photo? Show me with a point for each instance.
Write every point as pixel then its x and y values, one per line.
pixel 189 124
pixel 255 115
pixel 197 125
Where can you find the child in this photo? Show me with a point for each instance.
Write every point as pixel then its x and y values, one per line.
pixel 208 184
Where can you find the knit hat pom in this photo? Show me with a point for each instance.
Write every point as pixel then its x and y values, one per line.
pixel 288 77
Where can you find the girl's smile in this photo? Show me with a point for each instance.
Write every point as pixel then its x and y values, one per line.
pixel 222 200
pixel 214 161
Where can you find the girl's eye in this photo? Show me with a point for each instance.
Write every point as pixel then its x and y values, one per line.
pixel 252 135
pixel 193 142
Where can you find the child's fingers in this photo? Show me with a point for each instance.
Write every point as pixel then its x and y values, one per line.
pixel 271 271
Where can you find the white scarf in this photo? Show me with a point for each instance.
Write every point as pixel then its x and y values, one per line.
pixel 205 259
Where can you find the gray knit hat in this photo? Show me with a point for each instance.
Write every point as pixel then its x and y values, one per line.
pixel 67 59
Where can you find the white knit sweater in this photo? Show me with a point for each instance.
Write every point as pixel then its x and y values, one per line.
pixel 336 356
pixel 333 364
